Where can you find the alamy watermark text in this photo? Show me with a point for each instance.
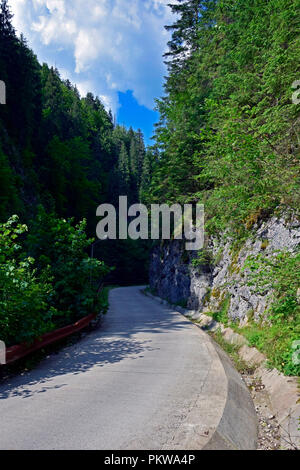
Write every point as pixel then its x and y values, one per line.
pixel 159 222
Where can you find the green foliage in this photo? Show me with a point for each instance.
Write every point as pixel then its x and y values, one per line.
pixel 8 193
pixel 57 288
pixel 229 133
pixel 63 248
pixel 228 137
pixel 124 171
pixel 233 351
pixel 204 258
pixel 62 150
pixel 279 275
pixel 24 310
pixel 69 181
pixel 222 315
pixel 275 341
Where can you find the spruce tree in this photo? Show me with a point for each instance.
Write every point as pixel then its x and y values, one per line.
pixel 53 103
pixel 8 51
pixel 6 28
pixel 146 174
pixel 124 171
pixel 140 147
pixel 133 155
pixel 192 14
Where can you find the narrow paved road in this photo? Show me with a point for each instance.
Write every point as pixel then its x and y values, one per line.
pixel 146 379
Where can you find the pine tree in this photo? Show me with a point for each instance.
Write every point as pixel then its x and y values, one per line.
pixel 124 171
pixel 140 148
pixel 133 156
pixel 191 15
pixel 6 28
pixel 8 193
pixel 146 174
pixel 8 52
pixel 136 158
pixel 27 101
pixel 53 103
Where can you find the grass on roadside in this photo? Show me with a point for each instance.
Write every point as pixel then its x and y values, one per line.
pixel 233 352
pixel 276 342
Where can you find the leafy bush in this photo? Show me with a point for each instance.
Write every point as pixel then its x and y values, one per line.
pixel 278 274
pixel 47 279
pixel 204 258
pixel 63 248
pixel 222 315
pixel 24 310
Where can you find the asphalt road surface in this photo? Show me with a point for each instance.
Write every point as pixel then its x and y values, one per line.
pixel 147 378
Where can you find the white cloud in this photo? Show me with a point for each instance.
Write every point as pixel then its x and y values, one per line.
pixel 110 45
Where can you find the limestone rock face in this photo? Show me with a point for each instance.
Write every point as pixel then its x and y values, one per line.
pixel 206 287
pixel 169 273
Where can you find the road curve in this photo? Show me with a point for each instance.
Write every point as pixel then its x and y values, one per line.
pixel 146 379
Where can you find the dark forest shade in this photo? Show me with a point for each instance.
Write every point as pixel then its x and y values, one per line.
pixel 59 150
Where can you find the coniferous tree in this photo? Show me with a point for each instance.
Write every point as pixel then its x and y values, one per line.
pixel 8 194
pixel 191 15
pixel 140 154
pixel 146 174
pixel 227 110
pixel 6 28
pixel 134 163
pixel 52 102
pixel 59 150
pixel 124 171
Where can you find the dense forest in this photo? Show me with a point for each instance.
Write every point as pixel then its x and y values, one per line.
pixel 57 149
pixel 61 156
pixel 228 137
pixel 229 132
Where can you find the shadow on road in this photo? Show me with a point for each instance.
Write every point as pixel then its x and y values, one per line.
pixel 112 343
pixel 96 352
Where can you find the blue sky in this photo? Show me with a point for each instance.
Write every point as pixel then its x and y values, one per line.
pixel 113 48
pixel 131 113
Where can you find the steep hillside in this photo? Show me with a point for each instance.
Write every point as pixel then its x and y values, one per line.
pixel 229 138
pixel 254 287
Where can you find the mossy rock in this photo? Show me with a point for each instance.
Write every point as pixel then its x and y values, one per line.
pixel 216 293
pixel 265 244
pixel 234 267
